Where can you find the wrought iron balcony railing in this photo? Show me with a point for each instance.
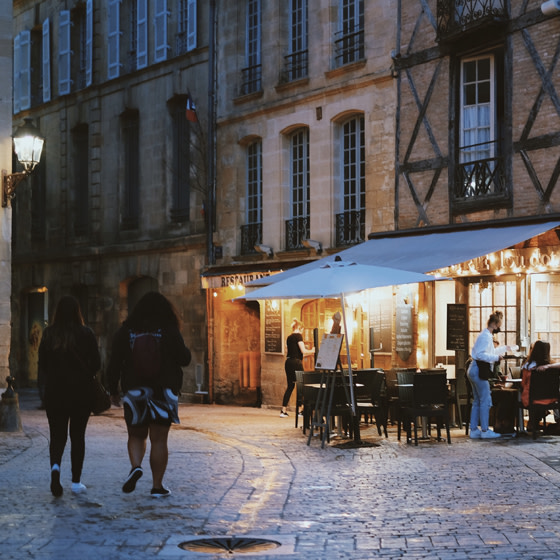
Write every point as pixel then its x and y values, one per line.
pixel 251 235
pixel 251 79
pixel 295 66
pixel 457 16
pixel 297 229
pixel 349 46
pixel 479 179
pixel 350 228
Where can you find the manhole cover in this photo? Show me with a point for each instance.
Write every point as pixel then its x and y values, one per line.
pixel 229 544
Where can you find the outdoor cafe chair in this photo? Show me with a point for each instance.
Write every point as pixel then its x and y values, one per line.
pixel 306 396
pixel 371 400
pixel 544 395
pixel 430 399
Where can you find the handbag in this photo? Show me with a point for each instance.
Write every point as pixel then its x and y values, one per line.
pixel 484 370
pixel 101 401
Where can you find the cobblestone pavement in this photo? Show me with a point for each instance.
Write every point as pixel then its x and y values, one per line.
pixel 245 472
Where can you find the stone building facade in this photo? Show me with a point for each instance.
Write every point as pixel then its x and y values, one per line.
pixel 306 129
pixel 116 207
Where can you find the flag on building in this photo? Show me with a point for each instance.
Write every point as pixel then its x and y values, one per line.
pixel 191 110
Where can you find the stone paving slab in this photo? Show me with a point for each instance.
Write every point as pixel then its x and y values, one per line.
pixel 247 472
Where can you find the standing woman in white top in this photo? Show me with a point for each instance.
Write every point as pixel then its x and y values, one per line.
pixel 484 350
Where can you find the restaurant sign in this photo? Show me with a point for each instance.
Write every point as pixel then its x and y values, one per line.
pixel 232 280
pixel 509 261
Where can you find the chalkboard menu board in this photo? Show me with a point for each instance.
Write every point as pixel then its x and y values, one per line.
pixel 457 326
pixel 273 342
pixel 403 334
pixel 381 321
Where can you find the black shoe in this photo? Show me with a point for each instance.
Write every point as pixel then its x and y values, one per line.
pixel 56 487
pixel 160 492
pixel 133 477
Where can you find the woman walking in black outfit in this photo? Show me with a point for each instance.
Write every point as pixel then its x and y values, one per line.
pixel 295 350
pixel 68 361
pixel 150 397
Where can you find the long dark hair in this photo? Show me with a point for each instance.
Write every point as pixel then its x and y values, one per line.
pixel 153 311
pixel 67 321
pixel 540 353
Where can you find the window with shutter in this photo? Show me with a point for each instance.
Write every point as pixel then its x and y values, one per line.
pixel 64 53
pixel 191 26
pixel 17 57
pixel 142 35
pixel 46 61
pixel 113 26
pixel 160 31
pixel 89 42
pixel 25 70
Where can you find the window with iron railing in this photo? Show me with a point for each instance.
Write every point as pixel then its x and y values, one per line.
pixel 297 229
pixel 295 63
pixel 251 235
pixel 350 223
pixel 348 47
pixel 295 66
pixel 455 16
pixel 350 228
pixel 251 79
pixel 479 171
pixel 251 232
pixel 349 40
pixel 252 73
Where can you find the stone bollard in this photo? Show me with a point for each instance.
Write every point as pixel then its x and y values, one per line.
pixel 10 420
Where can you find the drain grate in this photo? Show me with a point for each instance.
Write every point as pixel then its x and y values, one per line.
pixel 229 544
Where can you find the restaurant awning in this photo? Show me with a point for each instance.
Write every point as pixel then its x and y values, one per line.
pixel 427 251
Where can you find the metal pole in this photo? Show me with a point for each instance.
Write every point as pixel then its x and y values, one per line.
pixel 211 186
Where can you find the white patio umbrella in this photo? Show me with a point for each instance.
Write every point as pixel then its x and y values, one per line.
pixel 337 279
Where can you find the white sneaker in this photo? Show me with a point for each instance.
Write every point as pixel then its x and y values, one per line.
pixel 475 434
pixel 489 434
pixel 78 487
pixel 283 415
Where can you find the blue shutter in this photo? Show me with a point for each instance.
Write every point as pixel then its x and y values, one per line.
pixel 46 61
pixel 17 56
pixel 191 25
pixel 160 28
pixel 142 34
pixel 64 53
pixel 113 38
pixel 89 42
pixel 25 70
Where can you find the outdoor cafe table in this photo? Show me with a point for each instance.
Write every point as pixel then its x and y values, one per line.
pixel 339 418
pixel 506 402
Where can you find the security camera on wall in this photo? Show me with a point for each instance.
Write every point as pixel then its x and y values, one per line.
pixel 551 8
pixel 312 244
pixel 265 250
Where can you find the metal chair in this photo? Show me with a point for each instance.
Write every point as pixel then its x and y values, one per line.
pixel 544 395
pixel 430 399
pixel 371 400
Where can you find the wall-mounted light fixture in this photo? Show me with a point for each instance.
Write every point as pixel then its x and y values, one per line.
pixel 28 145
pixel 312 244
pixel 551 7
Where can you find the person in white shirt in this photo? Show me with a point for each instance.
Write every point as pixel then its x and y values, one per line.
pixel 484 351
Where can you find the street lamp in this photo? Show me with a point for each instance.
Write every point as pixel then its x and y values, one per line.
pixel 28 145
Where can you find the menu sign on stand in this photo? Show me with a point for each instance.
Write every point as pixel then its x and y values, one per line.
pixel 273 327
pixel 329 351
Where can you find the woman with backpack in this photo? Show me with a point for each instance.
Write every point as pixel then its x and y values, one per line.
pixel 68 361
pixel 147 355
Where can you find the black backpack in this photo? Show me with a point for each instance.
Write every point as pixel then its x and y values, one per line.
pixel 146 353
